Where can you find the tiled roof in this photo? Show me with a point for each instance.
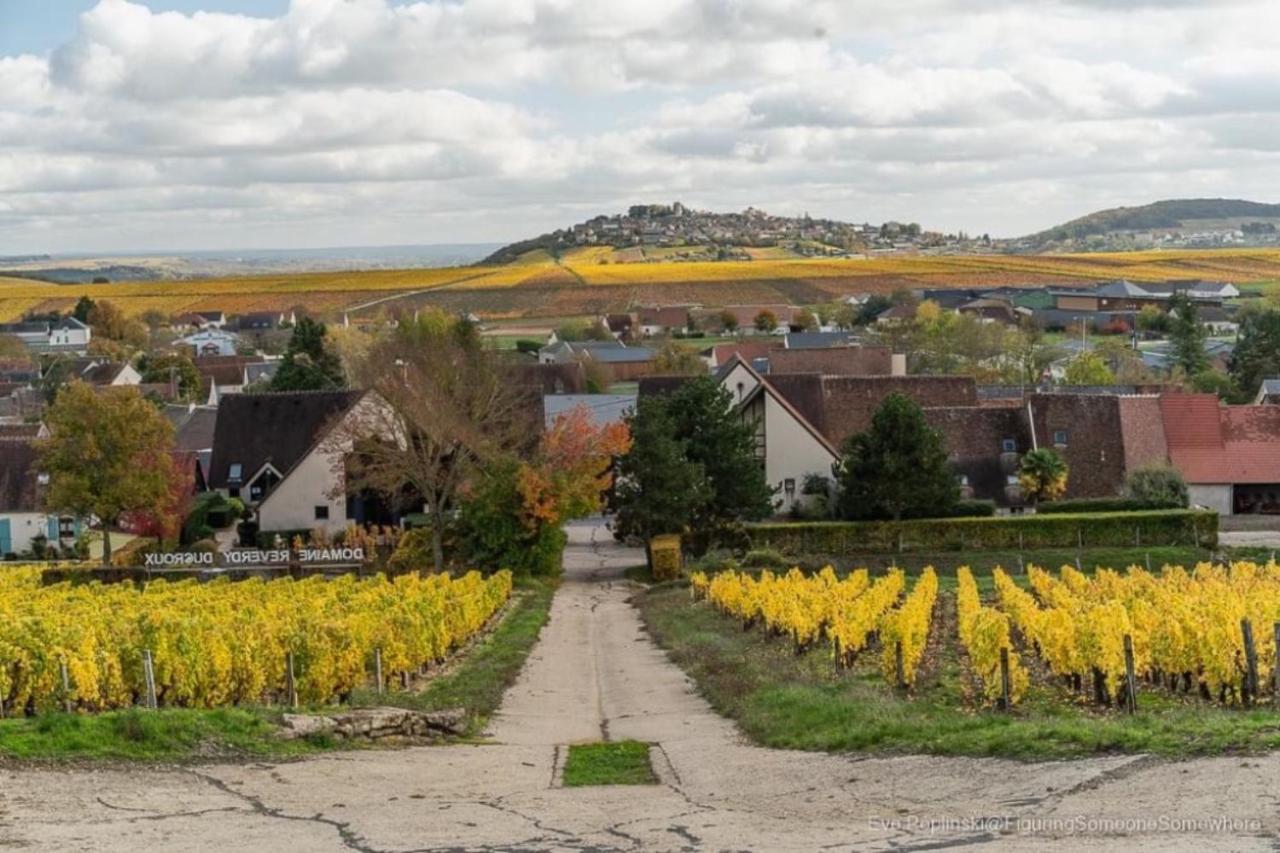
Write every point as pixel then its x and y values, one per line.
pixel 833 361
pixel 1216 444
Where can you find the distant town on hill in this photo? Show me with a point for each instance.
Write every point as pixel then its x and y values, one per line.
pixel 665 232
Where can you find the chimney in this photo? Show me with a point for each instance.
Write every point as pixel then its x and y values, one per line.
pixel 898 364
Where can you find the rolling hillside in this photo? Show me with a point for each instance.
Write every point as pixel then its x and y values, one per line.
pixel 578 283
pixel 1160 215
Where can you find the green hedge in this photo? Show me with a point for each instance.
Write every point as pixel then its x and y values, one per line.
pixel 1106 530
pixel 1101 505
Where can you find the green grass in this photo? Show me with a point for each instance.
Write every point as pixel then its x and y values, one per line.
pixel 802 701
pixel 476 682
pixel 137 735
pixel 485 673
pixel 613 763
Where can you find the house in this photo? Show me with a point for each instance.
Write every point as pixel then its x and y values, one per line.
pixel 802 421
pixel 282 454
pixel 620 325
pixel 1125 296
pixel 260 372
pixel 839 361
pixel 993 310
pixel 1229 455
pixel 67 335
pixel 211 342
pixel 1268 393
pixel 623 363
pixel 896 315
pixel 111 374
pixel 819 340
pixel 197 320
pixel 23 517
pixel 260 321
pixel 553 378
pixel 660 320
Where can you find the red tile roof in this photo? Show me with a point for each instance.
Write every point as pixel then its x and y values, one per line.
pixel 1209 443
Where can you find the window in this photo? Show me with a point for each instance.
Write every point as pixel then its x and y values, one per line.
pixel 322 513
pixel 233 492
pixel 235 471
pixel 66 527
pixel 1060 437
pixel 1009 445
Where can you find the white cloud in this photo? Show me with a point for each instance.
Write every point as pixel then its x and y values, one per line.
pixel 442 120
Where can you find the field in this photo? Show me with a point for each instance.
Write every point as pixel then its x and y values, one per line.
pixel 887 662
pixel 593 280
pixel 95 647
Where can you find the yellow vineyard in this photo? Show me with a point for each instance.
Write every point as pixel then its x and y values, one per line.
pixel 1186 629
pixel 225 643
pixel 586 279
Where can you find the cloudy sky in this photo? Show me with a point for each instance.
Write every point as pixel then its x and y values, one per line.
pixel 189 124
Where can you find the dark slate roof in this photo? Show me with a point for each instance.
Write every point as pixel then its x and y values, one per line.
pixel 280 428
pixel 18 488
pixel 1122 288
pixel 103 373
pixel 820 340
pixel 653 386
pixel 25 327
pixel 193 426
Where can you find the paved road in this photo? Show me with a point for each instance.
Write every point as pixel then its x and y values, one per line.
pixel 1251 538
pixel 595 674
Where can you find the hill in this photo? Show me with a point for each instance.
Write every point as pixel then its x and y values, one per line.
pixel 651 232
pixel 1171 214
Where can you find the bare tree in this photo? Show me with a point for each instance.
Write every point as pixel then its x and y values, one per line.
pixel 444 406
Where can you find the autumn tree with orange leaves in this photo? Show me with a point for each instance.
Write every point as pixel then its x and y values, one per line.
pixel 513 516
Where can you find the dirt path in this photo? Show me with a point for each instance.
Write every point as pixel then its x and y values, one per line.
pixel 596 674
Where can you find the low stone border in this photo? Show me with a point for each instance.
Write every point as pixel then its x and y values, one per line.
pixel 376 723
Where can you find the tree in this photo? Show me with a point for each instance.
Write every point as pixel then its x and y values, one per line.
pixel 1088 368
pixel 766 321
pixel 804 320
pixel 659 487
pixel 1187 335
pixel 1257 353
pixel 1157 485
pixel 108 454
pixel 1042 475
pixel 84 307
pixel 729 321
pixel 897 468
pixel 845 317
pixel 444 408
pixel 676 360
pixel 110 324
pixel 309 363
pixel 874 305
pixel 173 367
pixel 700 422
pixel 514 513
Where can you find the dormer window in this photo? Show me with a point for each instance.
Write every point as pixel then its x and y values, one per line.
pixel 1009 445
pixel 1060 437
pixel 235 471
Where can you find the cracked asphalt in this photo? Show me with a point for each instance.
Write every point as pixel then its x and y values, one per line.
pixel 595 674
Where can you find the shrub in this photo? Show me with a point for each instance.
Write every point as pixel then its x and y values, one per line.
pixel 412 553
pixel 664 556
pixel 763 558
pixel 972 509
pixel 1093 505
pixel 1157 485
pixel 1120 529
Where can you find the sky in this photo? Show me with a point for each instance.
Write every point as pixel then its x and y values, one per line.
pixel 141 125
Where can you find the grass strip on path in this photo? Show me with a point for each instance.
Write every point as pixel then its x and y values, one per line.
pixel 624 762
